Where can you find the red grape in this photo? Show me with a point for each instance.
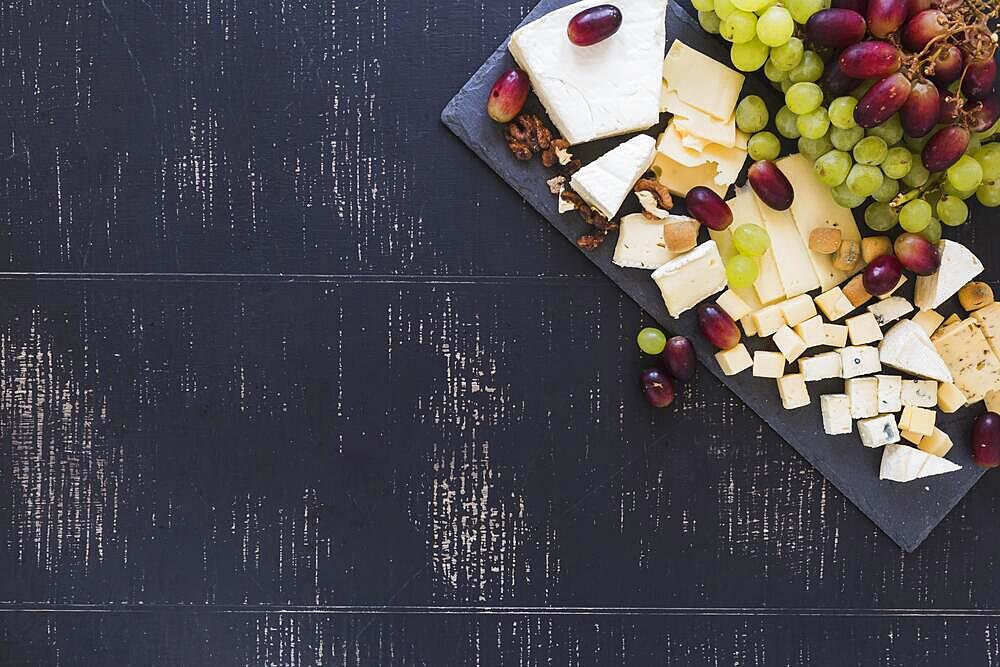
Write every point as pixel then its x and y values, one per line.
pixel 678 357
pixel 771 185
pixel 508 96
pixel 594 25
pixel 883 100
pixel 983 114
pixel 951 106
pixel 922 109
pixel 717 326
pixel 882 275
pixel 917 6
pixel 870 60
pixel 835 82
pixel 859 6
pixel 948 65
pixel 924 27
pixel 980 78
pixel 945 148
pixel 657 387
pixel 986 440
pixel 836 28
pixel 708 208
pixel 917 254
pixel 886 16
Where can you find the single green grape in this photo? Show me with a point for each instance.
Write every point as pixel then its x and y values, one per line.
pixel 704 5
pixel 724 8
pixel 846 139
pixel 751 114
pixel 773 74
pixel 988 193
pixel 842 112
pixel 803 9
pixel 952 211
pixel 749 56
pixel 785 85
pixel 787 56
pixel 966 174
pixel 751 240
pixel 813 148
pixel 950 189
pixel 988 158
pixel 651 340
pixel 814 124
pixel 750 5
pixel 739 27
pixel 880 217
pixel 898 162
pixel 918 175
pixel 932 232
pixel 710 22
pixel 844 197
pixel 764 146
pixel 804 97
pixel 887 191
pixel 915 215
pixel 870 151
pixel 810 69
pixel 891 131
pixel 863 180
pixel 775 26
pixel 832 167
pixel 741 271
pixel 784 120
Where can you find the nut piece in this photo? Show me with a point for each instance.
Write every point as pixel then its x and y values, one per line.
pixel 556 184
pixel 650 208
pixel 527 135
pixel 659 192
pixel 875 246
pixel 855 291
pixel 975 295
pixel 847 255
pixel 825 240
pixel 681 235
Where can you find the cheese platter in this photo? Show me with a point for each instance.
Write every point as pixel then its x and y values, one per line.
pixel 632 129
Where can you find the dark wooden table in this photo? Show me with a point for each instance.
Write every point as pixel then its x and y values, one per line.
pixel 290 378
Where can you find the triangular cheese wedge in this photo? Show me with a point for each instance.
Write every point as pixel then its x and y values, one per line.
pixel 605 182
pixel 958 266
pixel 935 465
pixel 906 347
pixel 902 463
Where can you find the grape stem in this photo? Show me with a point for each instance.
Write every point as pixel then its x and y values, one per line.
pixel 932 185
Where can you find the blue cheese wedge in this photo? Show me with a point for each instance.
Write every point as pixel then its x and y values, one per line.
pixel 907 347
pixel 878 431
pixel 889 310
pixel 958 266
pixel 606 182
pixel 902 463
pixel 688 279
pixel 604 90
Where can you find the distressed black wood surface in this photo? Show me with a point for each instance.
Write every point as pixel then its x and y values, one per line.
pixel 422 445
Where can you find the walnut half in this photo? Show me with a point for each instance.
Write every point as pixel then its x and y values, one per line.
pixel 654 197
pixel 527 135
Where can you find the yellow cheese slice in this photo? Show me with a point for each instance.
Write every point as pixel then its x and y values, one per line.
pixel 790 252
pixel 701 81
pixel 729 162
pixel 710 129
pixel 671 144
pixel 680 179
pixel 768 286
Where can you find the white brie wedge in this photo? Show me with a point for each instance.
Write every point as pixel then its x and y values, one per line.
pixel 958 266
pixel 605 182
pixel 902 463
pixel 906 347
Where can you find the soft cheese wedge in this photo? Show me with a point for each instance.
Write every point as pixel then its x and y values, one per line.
pixel 605 182
pixel 902 463
pixel 958 266
pixel 907 347
pixel 603 90
pixel 691 278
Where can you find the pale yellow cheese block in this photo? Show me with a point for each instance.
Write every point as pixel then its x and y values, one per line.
pixel 791 255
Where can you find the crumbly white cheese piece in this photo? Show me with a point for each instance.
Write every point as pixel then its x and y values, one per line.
pixel 889 310
pixel 605 182
pixel 688 279
pixel 863 393
pixel 640 243
pixel 878 431
pixel 907 348
pixel 958 266
pixel 919 393
pixel 603 90
pixel 858 361
pixel 821 367
pixel 902 463
pixel 836 410
pixel 890 392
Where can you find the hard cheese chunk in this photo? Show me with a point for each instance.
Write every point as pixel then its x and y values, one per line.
pixel 863 393
pixel 917 420
pixel 834 335
pixel 798 309
pixel 858 361
pixel 733 304
pixel 735 360
pixel 812 331
pixel 968 355
pixel 789 343
pixel 791 255
pixel 603 90
pixel 690 278
pixel 863 329
pixel 937 443
pixel 907 348
pixel 768 320
pixel 701 81
pixel 890 392
pixel 821 367
pixel 793 392
pixel 605 182
pixel 834 303
pixel 988 319
pixel 889 310
pixel 902 463
pixel 949 398
pixel 958 266
pixel 928 320
pixel 768 364
pixel 640 243
pixel 836 409
pixel 878 431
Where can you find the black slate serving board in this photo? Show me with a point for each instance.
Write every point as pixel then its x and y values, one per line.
pixel 906 512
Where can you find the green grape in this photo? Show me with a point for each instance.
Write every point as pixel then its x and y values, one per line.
pixel 804 97
pixel 988 158
pixel 832 168
pixel 724 8
pixel 844 197
pixel 810 69
pixel 751 5
pixel 749 56
pixel 918 174
pixel 891 131
pixel 739 27
pixel 651 340
pixel 802 9
pixel 751 114
pixel 813 148
pixel 787 56
pixel 845 140
pixel 880 217
pixel 887 191
pixel 932 232
pixel 974 145
pixel 915 215
pixel 704 5
pixel 988 134
pixel 785 85
pixel 784 120
pixel 917 144
pixel 966 174
pixel 764 146
pixel 952 211
pixel 950 189
pixel 775 26
pixel 773 74
pixel 870 151
pixel 813 125
pixel 741 271
pixel 863 180
pixel 988 193
pixel 710 22
pixel 842 112
pixel 751 240
pixel 898 162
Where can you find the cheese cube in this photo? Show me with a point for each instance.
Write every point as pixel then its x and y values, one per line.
pixel 917 420
pixel 789 343
pixel 834 335
pixel 958 266
pixel 730 302
pixel 863 393
pixel 688 279
pixel 858 361
pixel 836 409
pixel 834 304
pixel 928 320
pixel 952 319
pixel 902 463
pixel 890 309
pixel 878 431
pixel 910 436
pixel 863 329
pixel 607 181
pixel 768 364
pixel 640 243
pixel 950 398
pixel 890 388
pixel 768 320
pixel 993 401
pixel 793 392
pixel 855 291
pixel 969 357
pixel 734 360
pixel 919 393
pixel 749 328
pixel 798 309
pixel 811 331
pixel 902 281
pixel 937 443
pixel 821 367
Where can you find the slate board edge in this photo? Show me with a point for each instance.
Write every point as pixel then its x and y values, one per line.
pixel 453 119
